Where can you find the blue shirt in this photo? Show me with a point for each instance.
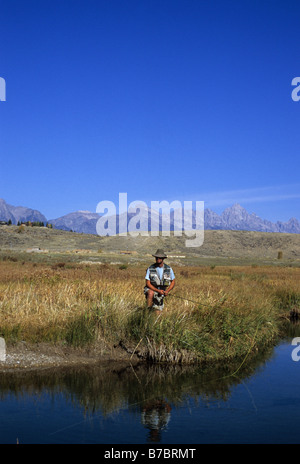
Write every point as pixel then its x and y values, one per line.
pixel 160 271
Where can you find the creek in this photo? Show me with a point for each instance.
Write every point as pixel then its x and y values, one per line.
pixel 114 404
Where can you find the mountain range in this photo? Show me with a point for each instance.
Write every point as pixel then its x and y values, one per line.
pixel 19 213
pixel 233 218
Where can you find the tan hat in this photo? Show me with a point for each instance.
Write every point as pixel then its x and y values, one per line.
pixel 160 254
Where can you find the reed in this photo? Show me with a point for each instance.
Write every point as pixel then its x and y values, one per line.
pixel 233 310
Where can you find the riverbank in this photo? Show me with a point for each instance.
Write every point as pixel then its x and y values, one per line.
pixel 22 356
pixel 60 314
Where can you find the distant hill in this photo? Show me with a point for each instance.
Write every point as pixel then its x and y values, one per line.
pixel 237 218
pixel 19 213
pixel 79 221
pixel 220 246
pixel 233 218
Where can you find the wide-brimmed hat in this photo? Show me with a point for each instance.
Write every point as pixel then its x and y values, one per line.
pixel 160 254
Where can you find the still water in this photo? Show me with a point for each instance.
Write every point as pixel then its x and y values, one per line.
pixel 110 404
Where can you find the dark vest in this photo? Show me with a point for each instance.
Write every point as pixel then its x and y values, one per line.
pixel 155 280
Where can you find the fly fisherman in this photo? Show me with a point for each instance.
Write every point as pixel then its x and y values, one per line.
pixel 160 280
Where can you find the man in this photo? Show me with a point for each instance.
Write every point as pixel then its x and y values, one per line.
pixel 160 280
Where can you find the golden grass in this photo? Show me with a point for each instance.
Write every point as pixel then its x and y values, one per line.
pixel 232 310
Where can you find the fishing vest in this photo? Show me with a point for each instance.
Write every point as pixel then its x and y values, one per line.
pixel 154 278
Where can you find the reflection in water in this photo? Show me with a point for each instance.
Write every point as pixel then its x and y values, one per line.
pixel 155 417
pixel 146 403
pixel 150 392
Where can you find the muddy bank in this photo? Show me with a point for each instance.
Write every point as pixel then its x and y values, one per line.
pixel 24 356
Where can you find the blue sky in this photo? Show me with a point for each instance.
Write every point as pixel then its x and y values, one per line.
pixel 164 100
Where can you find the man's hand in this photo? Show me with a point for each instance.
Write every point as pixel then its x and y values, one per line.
pixel 166 292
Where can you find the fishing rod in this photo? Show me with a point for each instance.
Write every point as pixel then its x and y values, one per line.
pixel 193 301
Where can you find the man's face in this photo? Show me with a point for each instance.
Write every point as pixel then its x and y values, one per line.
pixel 159 261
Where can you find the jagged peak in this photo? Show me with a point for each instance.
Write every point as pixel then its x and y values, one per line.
pixel 234 217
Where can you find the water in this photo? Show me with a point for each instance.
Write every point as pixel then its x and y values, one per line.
pixel 112 404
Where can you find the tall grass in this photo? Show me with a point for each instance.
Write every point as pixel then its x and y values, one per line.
pixel 226 313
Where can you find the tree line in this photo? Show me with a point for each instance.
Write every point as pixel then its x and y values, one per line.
pixel 27 223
